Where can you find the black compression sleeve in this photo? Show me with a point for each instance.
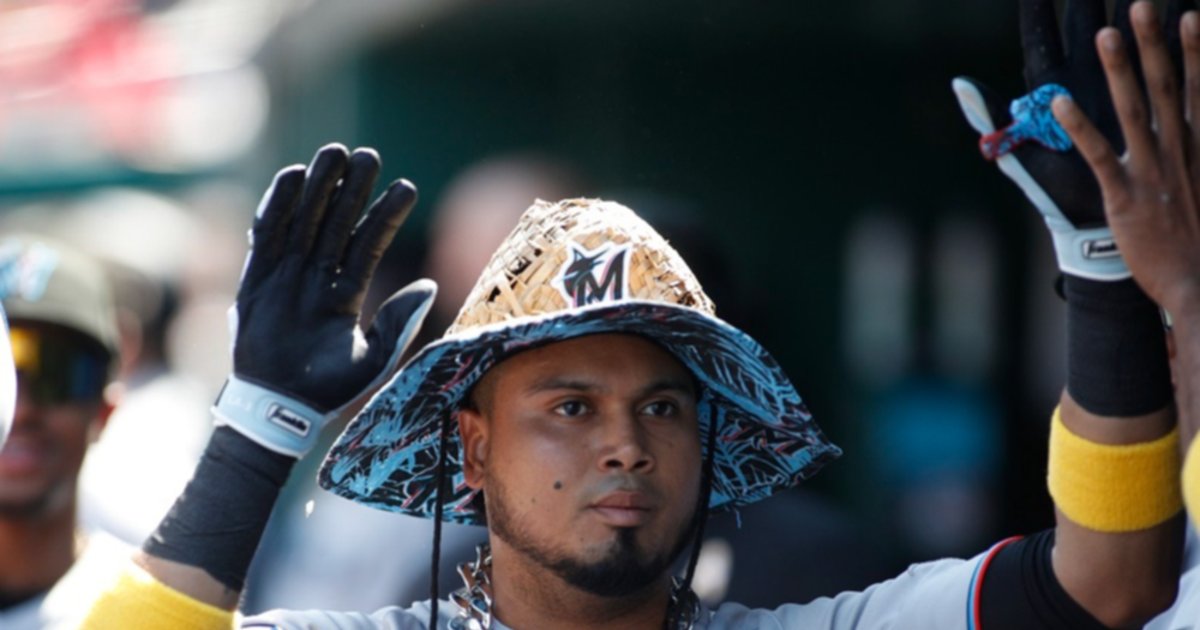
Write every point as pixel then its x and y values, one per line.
pixel 1116 349
pixel 218 520
pixel 1020 590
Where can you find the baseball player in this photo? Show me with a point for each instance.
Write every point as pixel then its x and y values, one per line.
pixel 1152 205
pixel 1147 195
pixel 63 341
pixel 589 407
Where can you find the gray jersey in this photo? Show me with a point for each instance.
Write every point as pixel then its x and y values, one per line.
pixel 929 595
pixel 938 594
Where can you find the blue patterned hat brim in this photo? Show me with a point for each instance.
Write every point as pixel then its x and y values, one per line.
pixel 767 441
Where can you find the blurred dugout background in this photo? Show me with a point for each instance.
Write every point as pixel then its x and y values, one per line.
pixel 812 152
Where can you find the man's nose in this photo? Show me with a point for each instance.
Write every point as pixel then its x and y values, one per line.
pixel 625 445
pixel 26 408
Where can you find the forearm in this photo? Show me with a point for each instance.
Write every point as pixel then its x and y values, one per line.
pixel 1114 458
pixel 1117 547
pixel 204 545
pixel 1121 578
pixel 190 580
pixel 300 358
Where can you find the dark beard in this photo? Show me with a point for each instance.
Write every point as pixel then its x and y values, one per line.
pixel 624 570
pixel 27 509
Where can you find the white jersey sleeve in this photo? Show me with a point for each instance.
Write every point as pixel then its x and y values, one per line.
pixel 939 594
pixel 389 618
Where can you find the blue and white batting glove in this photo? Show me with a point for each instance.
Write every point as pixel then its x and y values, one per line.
pixel 1031 148
pixel 300 357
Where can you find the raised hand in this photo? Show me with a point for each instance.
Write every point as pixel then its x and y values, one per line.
pixel 1032 150
pixel 300 355
pixel 1151 191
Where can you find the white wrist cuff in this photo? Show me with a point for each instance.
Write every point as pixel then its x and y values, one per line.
pixel 269 418
pixel 1088 253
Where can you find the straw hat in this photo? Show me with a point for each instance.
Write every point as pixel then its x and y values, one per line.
pixel 574 268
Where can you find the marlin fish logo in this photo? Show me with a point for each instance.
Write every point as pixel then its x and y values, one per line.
pixel 596 275
pixel 25 273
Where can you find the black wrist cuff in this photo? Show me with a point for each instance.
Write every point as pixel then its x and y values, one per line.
pixel 218 520
pixel 1116 350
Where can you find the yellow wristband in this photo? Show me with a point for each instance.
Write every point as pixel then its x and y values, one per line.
pixel 1191 482
pixel 1114 488
pixel 139 602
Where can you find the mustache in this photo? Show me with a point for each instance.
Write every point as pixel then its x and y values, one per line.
pixel 623 483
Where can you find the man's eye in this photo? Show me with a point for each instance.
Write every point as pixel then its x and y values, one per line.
pixel 660 408
pixel 571 408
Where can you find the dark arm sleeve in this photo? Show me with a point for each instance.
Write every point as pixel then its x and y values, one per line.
pixel 1020 590
pixel 217 522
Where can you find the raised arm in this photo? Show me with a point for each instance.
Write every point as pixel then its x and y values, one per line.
pixel 300 358
pixel 1113 469
pixel 1152 192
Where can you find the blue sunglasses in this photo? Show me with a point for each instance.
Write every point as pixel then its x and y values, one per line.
pixel 57 366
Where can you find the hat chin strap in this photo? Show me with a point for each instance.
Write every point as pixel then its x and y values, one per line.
pixel 702 503
pixel 439 507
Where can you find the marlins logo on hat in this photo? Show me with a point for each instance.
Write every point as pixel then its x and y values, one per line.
pixel 44 281
pixel 574 268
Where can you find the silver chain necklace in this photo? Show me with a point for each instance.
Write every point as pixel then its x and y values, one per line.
pixel 474 599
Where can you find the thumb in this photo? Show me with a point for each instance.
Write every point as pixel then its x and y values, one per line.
pixel 397 323
pixel 984 110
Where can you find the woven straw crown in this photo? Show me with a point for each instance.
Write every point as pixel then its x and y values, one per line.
pixel 523 277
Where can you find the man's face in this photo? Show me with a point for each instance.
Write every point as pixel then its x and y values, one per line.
pixel 588 454
pixel 40 462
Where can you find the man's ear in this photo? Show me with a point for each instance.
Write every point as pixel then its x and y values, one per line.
pixel 473 432
pixel 113 393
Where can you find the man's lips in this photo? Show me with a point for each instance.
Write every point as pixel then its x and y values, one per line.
pixel 21 457
pixel 623 508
